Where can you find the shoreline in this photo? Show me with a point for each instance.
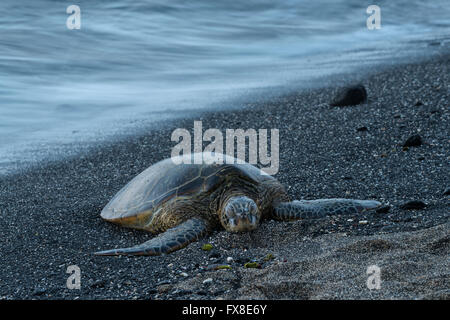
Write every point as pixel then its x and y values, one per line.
pixel 51 214
pixel 27 156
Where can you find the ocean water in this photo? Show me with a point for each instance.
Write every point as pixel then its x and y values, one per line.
pixel 135 60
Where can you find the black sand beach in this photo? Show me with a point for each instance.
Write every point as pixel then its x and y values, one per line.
pixel 50 214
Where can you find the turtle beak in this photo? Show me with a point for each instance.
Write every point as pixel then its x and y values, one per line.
pixel 240 214
pixel 243 222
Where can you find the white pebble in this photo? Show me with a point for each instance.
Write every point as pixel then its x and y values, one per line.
pixel 229 259
pixel 184 274
pixel 206 281
pixel 363 222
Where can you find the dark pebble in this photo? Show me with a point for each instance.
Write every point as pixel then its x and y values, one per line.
pixel 360 129
pixel 218 292
pixel 413 141
pixel 447 191
pixel 383 209
pixel 350 96
pixel 241 260
pixel 98 284
pixel 152 291
pixel 181 292
pixel 413 204
pixel 39 291
pixel 163 282
pixel 214 254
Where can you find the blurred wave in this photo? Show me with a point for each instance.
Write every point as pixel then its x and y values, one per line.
pixel 136 58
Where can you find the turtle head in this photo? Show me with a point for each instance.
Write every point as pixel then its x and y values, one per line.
pixel 240 213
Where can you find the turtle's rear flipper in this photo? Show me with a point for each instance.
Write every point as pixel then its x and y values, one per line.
pixel 169 241
pixel 313 209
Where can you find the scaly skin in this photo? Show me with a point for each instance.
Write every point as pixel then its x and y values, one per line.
pixel 169 241
pixel 314 209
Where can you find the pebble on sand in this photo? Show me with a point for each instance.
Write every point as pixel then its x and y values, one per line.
pixel 383 209
pixel 413 141
pixel 413 205
pixel 207 247
pixel 252 265
pixel 350 96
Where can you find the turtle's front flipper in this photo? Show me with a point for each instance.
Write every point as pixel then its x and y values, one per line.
pixel 169 241
pixel 312 209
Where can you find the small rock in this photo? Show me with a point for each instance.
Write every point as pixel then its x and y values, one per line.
pixel 413 205
pixel 207 247
pixel 229 259
pixel 163 282
pixel 350 96
pixel 413 141
pixel 360 129
pixel 217 266
pixel 98 284
pixel 207 281
pixel 184 274
pixel 447 191
pixel 363 222
pixel 383 209
pixel 214 254
pixel 223 267
pixel 152 291
pixel 164 288
pixel 269 257
pixel 418 103
pixel 241 260
pixel 39 291
pixel 215 260
pixel 252 265
pixel 181 292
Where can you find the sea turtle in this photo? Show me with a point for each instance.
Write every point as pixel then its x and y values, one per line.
pixel 183 202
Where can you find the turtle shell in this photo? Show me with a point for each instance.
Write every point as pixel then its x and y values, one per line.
pixel 171 178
